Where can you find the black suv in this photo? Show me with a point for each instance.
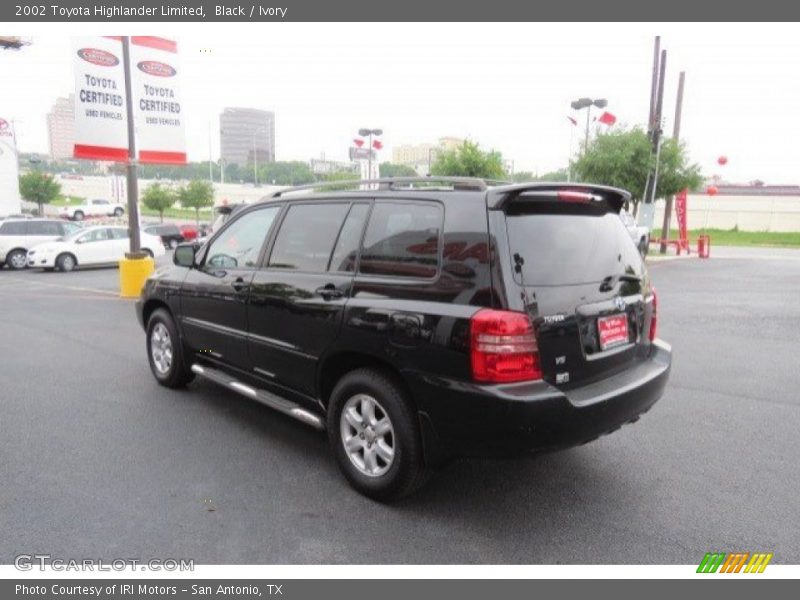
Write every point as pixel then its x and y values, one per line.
pixel 419 319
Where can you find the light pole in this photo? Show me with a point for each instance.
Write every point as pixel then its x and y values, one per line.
pixel 369 133
pixel 587 103
pixel 255 156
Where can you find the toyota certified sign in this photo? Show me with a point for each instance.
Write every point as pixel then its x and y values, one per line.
pixel 159 69
pixel 98 57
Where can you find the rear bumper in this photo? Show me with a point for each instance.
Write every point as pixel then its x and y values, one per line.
pixel 464 419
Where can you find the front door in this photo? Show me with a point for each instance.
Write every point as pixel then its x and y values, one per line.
pixel 297 300
pixel 214 295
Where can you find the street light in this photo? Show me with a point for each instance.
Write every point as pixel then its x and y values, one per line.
pixel 363 132
pixel 587 103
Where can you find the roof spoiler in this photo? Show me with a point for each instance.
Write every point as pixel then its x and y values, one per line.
pixel 500 197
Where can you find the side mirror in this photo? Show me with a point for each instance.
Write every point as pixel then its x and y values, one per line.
pixel 184 255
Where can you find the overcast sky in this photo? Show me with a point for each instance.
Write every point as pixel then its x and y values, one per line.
pixel 506 86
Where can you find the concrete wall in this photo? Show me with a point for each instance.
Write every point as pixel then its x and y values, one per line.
pixel 748 213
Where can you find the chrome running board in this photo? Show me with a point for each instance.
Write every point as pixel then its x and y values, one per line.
pixel 264 397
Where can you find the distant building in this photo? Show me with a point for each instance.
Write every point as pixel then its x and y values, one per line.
pixel 245 135
pixel 61 128
pixel 421 156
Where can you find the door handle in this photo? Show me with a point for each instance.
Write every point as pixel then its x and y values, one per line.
pixel 329 291
pixel 239 284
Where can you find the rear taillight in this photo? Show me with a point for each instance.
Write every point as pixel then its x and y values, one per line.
pixel 503 347
pixel 654 316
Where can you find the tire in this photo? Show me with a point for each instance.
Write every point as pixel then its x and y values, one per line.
pixel 78 215
pixel 66 262
pixel 367 465
pixel 165 351
pixel 118 212
pixel 173 243
pixel 148 252
pixel 17 259
pixel 643 246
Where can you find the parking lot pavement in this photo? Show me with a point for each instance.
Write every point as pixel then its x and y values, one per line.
pixel 99 461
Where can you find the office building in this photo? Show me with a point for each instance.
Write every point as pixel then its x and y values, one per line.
pixel 61 128
pixel 247 134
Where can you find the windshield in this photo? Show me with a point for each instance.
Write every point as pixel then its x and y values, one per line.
pixel 559 248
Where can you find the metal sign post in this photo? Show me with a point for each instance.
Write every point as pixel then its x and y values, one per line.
pixel 130 167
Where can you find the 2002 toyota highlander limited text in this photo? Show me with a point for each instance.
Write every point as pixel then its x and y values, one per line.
pixel 417 320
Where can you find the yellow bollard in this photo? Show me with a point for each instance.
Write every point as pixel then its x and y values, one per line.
pixel 132 275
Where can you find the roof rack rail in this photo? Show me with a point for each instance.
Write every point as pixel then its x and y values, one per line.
pixel 390 183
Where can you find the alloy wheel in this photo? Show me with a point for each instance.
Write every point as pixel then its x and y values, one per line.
pixel 161 348
pixel 367 434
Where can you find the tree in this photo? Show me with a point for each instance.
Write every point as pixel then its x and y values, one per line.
pixel 159 198
pixel 338 176
pixel 196 194
pixel 525 176
pixel 388 169
pixel 623 159
pixel 39 187
pixel 293 172
pixel 469 160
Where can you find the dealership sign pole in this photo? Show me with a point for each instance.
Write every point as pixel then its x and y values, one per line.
pixel 116 106
pixel 133 182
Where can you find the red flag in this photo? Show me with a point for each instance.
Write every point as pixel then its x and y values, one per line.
pixel 358 142
pixel 377 145
pixel 607 118
pixel 573 121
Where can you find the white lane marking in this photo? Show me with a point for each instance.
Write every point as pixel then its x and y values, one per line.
pixel 63 287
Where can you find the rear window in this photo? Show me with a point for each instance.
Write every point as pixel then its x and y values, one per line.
pixel 402 240
pixel 566 245
pixel 13 228
pixel 44 228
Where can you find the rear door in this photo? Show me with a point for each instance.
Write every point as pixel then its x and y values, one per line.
pixel 582 282
pixel 297 300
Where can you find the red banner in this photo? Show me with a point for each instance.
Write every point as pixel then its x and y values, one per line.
pixel 680 211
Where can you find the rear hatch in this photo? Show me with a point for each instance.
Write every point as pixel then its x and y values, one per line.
pixel 582 279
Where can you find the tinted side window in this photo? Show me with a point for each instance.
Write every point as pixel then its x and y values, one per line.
pixel 346 249
pixel 240 244
pixel 402 240
pixel 118 233
pixel 307 236
pixel 14 228
pixel 44 228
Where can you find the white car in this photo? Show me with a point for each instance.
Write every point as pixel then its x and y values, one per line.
pixel 90 246
pixel 17 236
pixel 92 208
pixel 639 234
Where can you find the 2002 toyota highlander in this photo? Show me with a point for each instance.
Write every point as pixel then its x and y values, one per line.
pixel 419 319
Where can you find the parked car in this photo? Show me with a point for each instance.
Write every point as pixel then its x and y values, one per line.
pixel 415 323
pixel 91 246
pixel 92 208
pixel 18 235
pixel 170 234
pixel 639 234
